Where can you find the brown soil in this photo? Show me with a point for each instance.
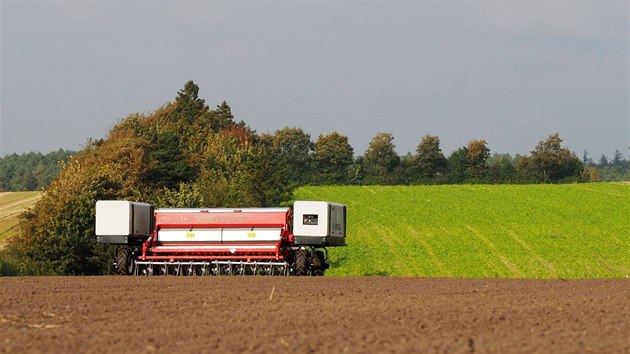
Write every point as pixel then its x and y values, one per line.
pixel 326 315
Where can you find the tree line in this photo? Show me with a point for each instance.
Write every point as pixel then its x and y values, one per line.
pixel 606 169
pixel 292 159
pixel 31 171
pixel 549 162
pixel 186 154
pixel 331 160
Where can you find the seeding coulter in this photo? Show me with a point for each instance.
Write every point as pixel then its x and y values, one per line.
pixel 250 241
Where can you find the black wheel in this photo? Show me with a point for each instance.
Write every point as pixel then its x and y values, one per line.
pixel 317 263
pixel 125 264
pixel 300 265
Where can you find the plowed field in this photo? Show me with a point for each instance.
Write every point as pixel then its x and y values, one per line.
pixel 326 315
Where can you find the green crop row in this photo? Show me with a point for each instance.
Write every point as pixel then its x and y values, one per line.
pixel 508 231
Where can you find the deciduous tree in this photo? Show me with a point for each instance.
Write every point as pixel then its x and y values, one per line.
pixel 429 161
pixel 549 162
pixel 501 168
pixel 293 149
pixel 478 153
pixel 457 166
pixel 381 160
pixel 333 157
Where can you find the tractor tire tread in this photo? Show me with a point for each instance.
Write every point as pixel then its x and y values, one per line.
pixel 301 263
pixel 122 260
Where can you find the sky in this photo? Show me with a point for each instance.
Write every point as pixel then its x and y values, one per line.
pixel 511 73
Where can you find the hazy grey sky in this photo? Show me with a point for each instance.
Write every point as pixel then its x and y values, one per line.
pixel 510 73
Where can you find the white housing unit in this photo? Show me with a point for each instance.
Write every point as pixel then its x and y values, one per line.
pixel 117 220
pixel 319 223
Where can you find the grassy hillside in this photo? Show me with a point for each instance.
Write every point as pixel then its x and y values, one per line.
pixel 11 205
pixel 532 231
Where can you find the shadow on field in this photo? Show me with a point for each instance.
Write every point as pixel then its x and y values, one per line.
pixel 337 262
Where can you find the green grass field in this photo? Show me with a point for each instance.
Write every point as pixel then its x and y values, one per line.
pixel 11 205
pixel 507 231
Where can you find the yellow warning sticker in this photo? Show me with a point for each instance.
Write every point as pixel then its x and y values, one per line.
pixel 251 234
pixel 190 234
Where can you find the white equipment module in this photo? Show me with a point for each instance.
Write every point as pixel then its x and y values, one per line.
pixel 118 221
pixel 319 223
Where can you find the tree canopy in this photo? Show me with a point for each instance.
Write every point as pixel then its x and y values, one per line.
pixel 549 162
pixel 477 153
pixel 429 161
pixel 333 157
pixel 31 171
pixel 381 160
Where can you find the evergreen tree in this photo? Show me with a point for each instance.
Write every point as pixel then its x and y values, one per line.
pixel 170 167
pixel 603 162
pixel 223 117
pixel 189 105
pixel 30 171
pixel 587 160
pixel 617 160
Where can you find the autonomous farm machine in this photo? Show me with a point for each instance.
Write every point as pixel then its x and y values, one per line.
pixel 248 241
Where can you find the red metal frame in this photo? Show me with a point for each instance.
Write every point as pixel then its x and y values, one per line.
pixel 209 219
pixel 152 249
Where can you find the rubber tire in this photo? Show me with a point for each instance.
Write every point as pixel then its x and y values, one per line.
pixel 124 263
pixel 316 266
pixel 300 265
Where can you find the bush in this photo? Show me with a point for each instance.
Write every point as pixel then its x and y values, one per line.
pixel 7 267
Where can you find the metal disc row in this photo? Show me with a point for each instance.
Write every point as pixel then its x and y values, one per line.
pixel 211 268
